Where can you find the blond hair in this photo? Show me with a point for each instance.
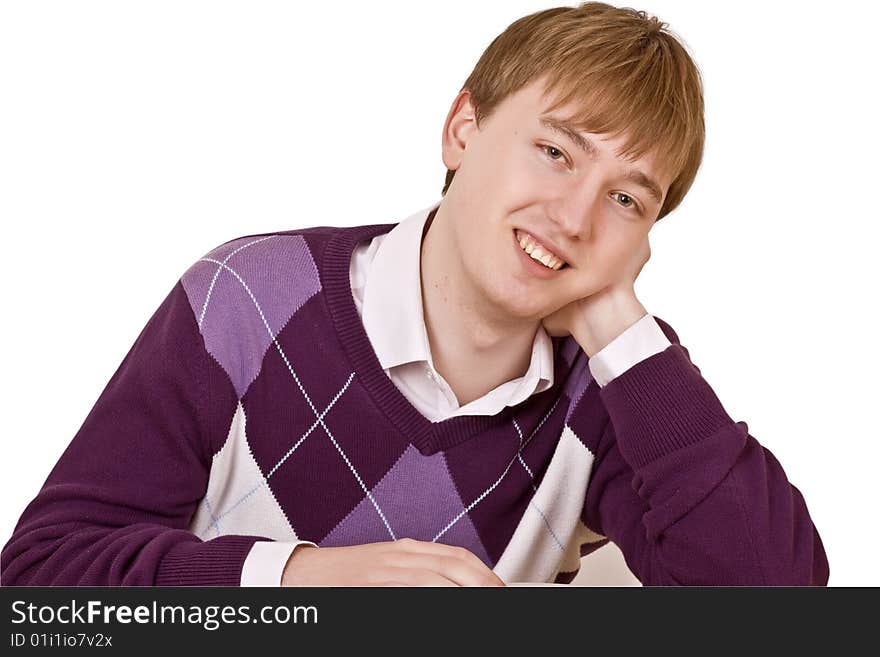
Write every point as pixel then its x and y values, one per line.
pixel 623 68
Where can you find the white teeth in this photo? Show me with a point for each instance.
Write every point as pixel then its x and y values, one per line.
pixel 538 253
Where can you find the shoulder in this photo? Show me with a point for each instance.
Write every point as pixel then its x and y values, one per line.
pixel 266 247
pixel 263 277
pixel 244 291
pixel 259 260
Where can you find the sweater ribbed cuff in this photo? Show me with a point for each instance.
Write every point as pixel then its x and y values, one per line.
pixel 217 562
pixel 661 405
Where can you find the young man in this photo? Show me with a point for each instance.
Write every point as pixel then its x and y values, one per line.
pixel 471 396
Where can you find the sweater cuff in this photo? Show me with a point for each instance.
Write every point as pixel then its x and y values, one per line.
pixel 217 562
pixel 661 405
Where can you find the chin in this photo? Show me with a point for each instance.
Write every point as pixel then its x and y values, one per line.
pixel 507 293
pixel 518 305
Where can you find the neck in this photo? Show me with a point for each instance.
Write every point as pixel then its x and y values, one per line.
pixel 474 344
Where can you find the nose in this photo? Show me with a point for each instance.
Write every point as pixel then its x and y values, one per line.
pixel 576 210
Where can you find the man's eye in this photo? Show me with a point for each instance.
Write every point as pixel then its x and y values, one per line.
pixel 553 152
pixel 626 200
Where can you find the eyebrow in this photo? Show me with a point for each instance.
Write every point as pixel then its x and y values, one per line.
pixel 636 176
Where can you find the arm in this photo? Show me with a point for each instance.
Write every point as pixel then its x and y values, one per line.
pixel 115 508
pixel 686 493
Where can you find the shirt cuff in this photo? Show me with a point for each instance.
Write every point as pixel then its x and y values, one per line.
pixel 640 341
pixel 264 565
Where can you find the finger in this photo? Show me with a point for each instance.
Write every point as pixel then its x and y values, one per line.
pixel 485 574
pixel 489 578
pixel 421 577
pixel 453 568
pixel 476 562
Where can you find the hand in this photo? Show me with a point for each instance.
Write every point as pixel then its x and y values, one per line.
pixel 597 319
pixel 406 562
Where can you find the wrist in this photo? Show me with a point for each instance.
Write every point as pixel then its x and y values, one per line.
pixel 295 566
pixel 606 320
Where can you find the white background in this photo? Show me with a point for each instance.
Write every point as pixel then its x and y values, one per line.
pixel 136 136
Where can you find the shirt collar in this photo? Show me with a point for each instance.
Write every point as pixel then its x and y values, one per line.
pixel 392 305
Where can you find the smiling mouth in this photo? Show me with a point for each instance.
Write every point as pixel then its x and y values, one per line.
pixel 537 252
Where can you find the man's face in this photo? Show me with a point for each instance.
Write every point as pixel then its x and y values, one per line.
pixel 517 173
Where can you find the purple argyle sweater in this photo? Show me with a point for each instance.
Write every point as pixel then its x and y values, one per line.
pixel 252 407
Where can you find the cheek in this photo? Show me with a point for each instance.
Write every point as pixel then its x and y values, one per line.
pixel 508 171
pixel 617 251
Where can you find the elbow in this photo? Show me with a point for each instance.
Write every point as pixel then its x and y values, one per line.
pixel 800 563
pixel 807 566
pixel 17 566
pixel 677 563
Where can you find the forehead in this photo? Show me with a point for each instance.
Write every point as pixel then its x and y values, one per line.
pixel 530 107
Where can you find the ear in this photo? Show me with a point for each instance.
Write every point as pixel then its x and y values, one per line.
pixel 461 123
